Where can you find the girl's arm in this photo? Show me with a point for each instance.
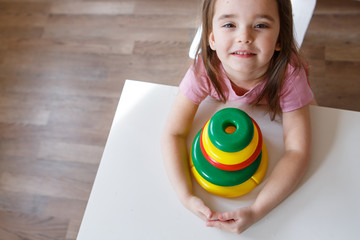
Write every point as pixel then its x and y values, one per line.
pixel 283 179
pixel 175 154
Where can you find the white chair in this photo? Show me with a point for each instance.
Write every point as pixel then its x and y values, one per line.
pixel 302 13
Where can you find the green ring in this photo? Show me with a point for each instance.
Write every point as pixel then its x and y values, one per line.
pixel 236 141
pixel 218 176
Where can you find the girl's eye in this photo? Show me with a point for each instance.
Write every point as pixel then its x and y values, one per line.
pixel 261 25
pixel 228 25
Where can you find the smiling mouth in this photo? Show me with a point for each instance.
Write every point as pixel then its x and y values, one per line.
pixel 244 53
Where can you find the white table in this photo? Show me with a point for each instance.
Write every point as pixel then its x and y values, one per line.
pixel 133 199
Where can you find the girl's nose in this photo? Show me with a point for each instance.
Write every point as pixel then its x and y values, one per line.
pixel 244 36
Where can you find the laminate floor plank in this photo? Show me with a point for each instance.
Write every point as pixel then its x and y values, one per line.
pixel 124 20
pixel 29 204
pixel 96 8
pixel 19 226
pixel 164 7
pixel 20 32
pixel 22 19
pixel 17 147
pixel 342 53
pixel 118 33
pixel 51 100
pixel 53 133
pixel 54 65
pixel 73 46
pixel 347 7
pixel 64 88
pixel 22 7
pixel 45 186
pixel 24 115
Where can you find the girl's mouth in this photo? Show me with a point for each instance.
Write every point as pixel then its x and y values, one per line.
pixel 243 53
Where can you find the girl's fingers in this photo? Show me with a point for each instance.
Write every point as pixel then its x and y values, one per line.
pixel 226 216
pixel 236 221
pixel 199 208
pixel 214 216
pixel 206 211
pixel 223 225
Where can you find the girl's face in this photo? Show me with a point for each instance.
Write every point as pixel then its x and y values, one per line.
pixel 244 36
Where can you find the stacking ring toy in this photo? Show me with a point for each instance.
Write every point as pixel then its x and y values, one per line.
pixel 235 167
pixel 238 190
pixel 218 176
pixel 228 156
pixel 236 141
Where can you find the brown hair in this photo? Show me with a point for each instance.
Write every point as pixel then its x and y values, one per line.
pixel 278 64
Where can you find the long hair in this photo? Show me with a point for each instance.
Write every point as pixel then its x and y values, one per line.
pixel 288 54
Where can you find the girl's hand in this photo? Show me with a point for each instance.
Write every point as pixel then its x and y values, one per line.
pixel 236 221
pixel 198 207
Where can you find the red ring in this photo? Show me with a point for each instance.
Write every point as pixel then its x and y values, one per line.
pixel 239 166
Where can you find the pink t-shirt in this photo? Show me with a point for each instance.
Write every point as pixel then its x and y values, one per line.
pixel 295 93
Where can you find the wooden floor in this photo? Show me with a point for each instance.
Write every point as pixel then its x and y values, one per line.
pixel 62 68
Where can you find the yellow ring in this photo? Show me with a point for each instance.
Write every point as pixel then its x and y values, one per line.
pixel 229 158
pixel 238 190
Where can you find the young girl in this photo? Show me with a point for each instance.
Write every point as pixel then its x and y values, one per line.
pixel 247 53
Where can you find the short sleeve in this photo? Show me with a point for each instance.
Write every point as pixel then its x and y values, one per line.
pixel 195 85
pixel 296 92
